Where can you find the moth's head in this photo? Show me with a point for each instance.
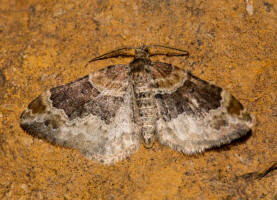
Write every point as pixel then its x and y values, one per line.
pixel 142 53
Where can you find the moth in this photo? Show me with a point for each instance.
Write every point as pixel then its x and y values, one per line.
pixel 107 114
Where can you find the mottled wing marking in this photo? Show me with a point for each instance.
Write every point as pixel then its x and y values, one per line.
pixel 113 81
pixel 93 114
pixel 166 78
pixel 196 115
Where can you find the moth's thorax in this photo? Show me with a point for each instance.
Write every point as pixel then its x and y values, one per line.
pixel 139 64
pixel 145 104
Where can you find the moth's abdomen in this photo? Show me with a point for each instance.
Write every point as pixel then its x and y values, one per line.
pixel 145 107
pixel 146 112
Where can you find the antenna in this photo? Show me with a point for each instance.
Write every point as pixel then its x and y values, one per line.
pixel 152 50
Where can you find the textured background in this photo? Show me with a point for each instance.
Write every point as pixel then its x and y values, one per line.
pixel 47 43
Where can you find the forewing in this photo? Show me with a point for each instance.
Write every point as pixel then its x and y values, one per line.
pixel 93 114
pixel 194 115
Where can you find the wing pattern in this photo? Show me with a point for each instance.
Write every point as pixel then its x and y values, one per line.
pixel 93 114
pixel 194 115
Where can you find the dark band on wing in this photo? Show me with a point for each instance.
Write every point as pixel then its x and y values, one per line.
pixel 205 95
pixel 80 98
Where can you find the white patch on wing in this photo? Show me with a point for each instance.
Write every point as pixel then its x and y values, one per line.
pixel 117 139
pixel 106 143
pixel 191 134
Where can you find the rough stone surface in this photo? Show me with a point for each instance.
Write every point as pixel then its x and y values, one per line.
pixel 47 43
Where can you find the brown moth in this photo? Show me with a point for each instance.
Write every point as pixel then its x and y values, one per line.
pixel 107 113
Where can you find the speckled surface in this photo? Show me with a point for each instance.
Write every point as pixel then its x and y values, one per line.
pixel 47 43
